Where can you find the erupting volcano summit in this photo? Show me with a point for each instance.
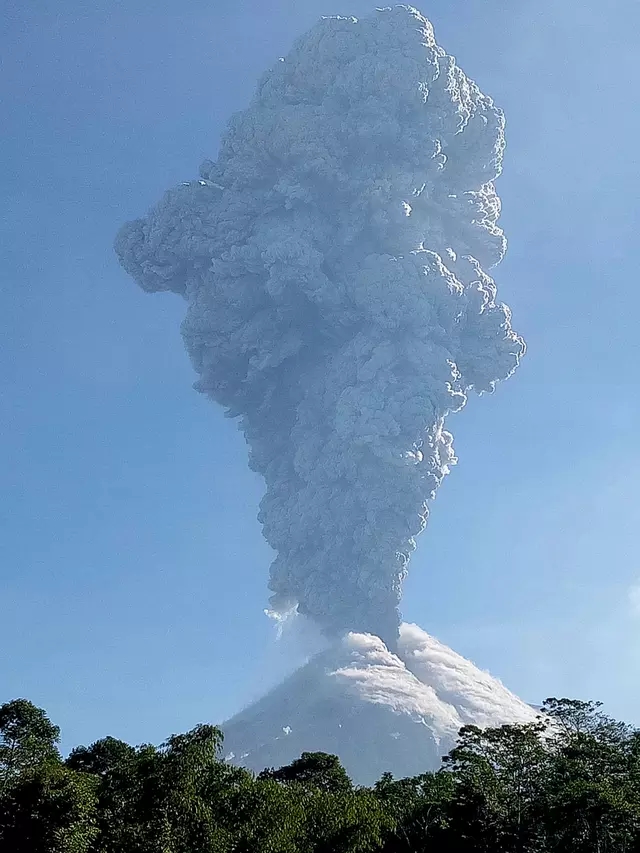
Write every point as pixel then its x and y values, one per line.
pixel 333 261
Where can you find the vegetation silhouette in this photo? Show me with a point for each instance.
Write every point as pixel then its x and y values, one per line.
pixel 567 783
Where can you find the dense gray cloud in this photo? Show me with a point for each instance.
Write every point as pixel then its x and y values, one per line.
pixel 333 263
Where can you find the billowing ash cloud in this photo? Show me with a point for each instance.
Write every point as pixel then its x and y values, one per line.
pixel 333 263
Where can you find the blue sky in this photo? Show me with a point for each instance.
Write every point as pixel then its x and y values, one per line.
pixel 132 568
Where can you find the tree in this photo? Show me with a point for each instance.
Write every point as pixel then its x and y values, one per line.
pixel 262 816
pixel 28 739
pixel 104 756
pixel 569 783
pixel 419 808
pixel 49 810
pixel 499 787
pixel 120 772
pixel 593 788
pixel 324 813
pixel 315 770
pixel 186 789
pixel 343 822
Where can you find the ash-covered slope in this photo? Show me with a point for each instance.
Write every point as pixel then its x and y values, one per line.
pixel 376 710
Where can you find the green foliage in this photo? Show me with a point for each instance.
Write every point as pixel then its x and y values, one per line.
pixel 104 756
pixel 49 810
pixel 344 822
pixel 315 770
pixel 27 740
pixel 594 786
pixel 569 783
pixel 418 808
pixel 500 785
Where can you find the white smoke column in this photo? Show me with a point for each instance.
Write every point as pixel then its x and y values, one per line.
pixel 332 260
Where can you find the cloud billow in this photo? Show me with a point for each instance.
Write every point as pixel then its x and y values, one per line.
pixel 333 260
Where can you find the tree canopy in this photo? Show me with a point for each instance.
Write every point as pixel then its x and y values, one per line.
pixel 568 783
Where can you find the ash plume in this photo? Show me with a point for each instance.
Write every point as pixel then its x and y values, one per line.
pixel 333 260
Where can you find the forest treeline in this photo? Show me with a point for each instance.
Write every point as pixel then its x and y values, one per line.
pixel 569 782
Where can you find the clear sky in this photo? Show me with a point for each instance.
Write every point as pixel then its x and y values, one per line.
pixel 132 568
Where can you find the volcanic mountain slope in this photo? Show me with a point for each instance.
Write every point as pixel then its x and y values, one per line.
pixel 376 710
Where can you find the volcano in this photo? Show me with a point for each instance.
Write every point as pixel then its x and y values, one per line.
pixel 377 711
